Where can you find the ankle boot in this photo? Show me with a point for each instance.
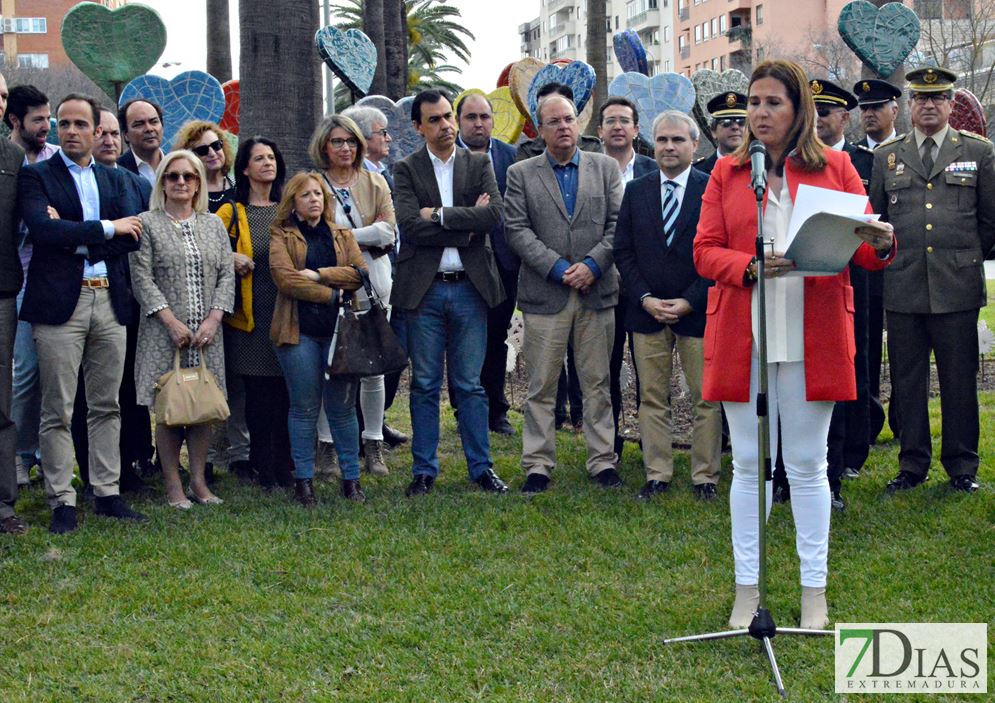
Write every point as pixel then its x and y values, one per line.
pixel 304 492
pixel 353 491
pixel 747 602
pixel 815 612
pixel 373 451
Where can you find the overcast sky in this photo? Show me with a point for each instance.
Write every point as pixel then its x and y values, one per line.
pixel 497 42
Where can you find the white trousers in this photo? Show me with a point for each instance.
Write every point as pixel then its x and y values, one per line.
pixel 804 431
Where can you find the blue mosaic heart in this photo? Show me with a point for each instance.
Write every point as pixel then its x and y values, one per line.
pixel 406 139
pixel 576 74
pixel 664 91
pixel 350 54
pixel 630 52
pixel 192 95
pixel 881 37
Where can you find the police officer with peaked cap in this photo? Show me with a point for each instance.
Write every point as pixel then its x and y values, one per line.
pixel 728 127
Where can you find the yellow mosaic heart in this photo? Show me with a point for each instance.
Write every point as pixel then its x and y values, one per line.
pixel 508 120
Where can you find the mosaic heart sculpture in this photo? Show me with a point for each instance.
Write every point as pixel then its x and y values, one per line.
pixel 406 139
pixel 967 113
pixel 503 78
pixel 707 84
pixel 192 95
pixel 113 46
pixel 520 76
pixel 664 91
pixel 53 135
pixel 630 52
pixel 233 106
pixel 350 54
pixel 576 74
pixel 508 121
pixel 881 38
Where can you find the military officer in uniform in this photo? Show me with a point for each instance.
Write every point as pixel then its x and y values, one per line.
pixel 878 103
pixel 728 125
pixel 848 444
pixel 936 186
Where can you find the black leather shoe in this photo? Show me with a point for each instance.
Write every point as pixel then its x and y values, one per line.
pixel 836 501
pixel 705 491
pixel 535 483
pixel 651 488
pixel 489 481
pixel 243 470
pixel 421 485
pixel 964 484
pixel 115 507
pixel 304 492
pixel 905 481
pixel 351 490
pixel 500 425
pixel 609 478
pixel 782 494
pixel 393 438
pixel 63 520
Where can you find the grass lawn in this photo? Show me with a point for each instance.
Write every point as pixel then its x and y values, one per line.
pixel 462 596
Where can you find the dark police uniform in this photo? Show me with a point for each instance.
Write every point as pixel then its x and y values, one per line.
pixel 944 221
pixel 731 105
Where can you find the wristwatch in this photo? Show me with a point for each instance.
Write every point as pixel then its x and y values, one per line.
pixel 436 215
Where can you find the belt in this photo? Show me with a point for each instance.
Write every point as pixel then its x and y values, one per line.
pixel 99 282
pixel 450 276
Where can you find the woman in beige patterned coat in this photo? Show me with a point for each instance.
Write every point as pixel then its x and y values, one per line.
pixel 184 279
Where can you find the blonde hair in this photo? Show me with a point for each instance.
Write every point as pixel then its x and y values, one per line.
pixel 285 210
pixel 322 133
pixel 157 201
pixel 192 131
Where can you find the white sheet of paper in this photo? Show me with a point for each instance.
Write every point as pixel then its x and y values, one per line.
pixel 820 235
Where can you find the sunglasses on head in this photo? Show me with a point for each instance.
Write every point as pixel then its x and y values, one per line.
pixel 185 176
pixel 730 121
pixel 203 150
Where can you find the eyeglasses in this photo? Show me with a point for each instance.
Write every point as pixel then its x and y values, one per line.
pixel 624 121
pixel 203 149
pixel 382 132
pixel 826 111
pixel 555 124
pixel 935 98
pixel 732 121
pixel 337 143
pixel 177 176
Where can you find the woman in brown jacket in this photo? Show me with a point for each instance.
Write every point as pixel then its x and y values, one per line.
pixel 311 261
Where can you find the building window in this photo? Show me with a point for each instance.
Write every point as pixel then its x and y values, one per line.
pixel 704 31
pixel 722 24
pixel 32 60
pixel 760 14
pixel 957 10
pixel 722 63
pixel 666 33
pixel 929 9
pixel 666 67
pixel 715 27
pixel 715 64
pixel 697 34
pixel 30 25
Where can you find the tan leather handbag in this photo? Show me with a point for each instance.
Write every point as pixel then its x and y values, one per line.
pixel 189 396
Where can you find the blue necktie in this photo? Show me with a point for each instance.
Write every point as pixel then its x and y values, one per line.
pixel 670 210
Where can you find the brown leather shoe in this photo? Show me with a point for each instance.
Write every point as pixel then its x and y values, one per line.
pixel 304 492
pixel 13 525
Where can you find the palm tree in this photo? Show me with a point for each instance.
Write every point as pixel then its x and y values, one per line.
pixel 395 26
pixel 433 33
pixel 218 40
pixel 278 103
pixel 597 53
pixel 373 25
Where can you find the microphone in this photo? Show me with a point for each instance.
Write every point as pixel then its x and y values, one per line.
pixel 758 167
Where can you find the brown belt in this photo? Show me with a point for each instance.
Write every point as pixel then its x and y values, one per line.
pixel 101 282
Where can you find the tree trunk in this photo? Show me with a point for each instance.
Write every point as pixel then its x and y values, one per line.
pixel 218 40
pixel 373 25
pixel 278 102
pixel 395 23
pixel 597 54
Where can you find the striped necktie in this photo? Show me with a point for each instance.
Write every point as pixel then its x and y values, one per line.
pixel 670 209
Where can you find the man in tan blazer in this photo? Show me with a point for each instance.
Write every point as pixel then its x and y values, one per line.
pixel 560 210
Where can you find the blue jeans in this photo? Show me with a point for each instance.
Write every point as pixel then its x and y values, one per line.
pixel 450 323
pixel 304 370
pixel 26 404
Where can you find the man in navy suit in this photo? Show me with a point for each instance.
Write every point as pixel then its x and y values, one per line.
pixel 81 216
pixel 666 302
pixel 618 129
pixel 476 123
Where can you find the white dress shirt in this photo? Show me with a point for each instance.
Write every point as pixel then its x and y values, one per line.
pixel 85 181
pixel 681 179
pixel 871 144
pixel 145 170
pixel 629 171
pixel 444 179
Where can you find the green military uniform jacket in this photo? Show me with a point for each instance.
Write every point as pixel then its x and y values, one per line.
pixel 944 222
pixel 11 275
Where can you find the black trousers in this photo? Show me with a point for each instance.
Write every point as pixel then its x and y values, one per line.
pixel 494 371
pixel 615 368
pixel 267 406
pixel 392 380
pixel 848 429
pixel 875 338
pixel 568 388
pixel 953 339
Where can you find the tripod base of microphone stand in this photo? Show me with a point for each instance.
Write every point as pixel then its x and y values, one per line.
pixel 763 629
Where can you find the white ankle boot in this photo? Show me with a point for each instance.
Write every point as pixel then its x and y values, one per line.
pixel 815 612
pixel 747 602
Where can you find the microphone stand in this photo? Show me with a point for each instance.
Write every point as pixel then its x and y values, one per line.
pixel 763 628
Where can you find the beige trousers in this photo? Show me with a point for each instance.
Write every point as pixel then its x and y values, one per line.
pixel 544 346
pixel 94 338
pixel 655 364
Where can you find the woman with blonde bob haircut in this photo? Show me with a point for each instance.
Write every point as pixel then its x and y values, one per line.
pixel 810 361
pixel 362 203
pixel 184 281
pixel 312 260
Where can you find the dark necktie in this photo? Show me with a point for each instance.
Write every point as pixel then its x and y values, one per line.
pixel 927 154
pixel 670 209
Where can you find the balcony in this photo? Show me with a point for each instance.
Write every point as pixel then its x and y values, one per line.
pixel 563 28
pixel 686 52
pixel 553 5
pixel 650 16
pixel 742 34
pixel 684 14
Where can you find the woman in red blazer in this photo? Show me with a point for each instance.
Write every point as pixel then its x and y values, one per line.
pixel 809 326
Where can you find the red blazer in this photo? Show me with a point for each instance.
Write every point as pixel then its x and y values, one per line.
pixel 725 243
